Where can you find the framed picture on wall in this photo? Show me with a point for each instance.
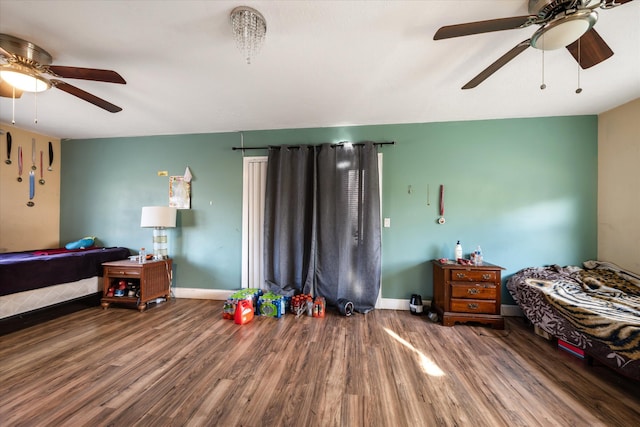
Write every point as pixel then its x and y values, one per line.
pixel 179 193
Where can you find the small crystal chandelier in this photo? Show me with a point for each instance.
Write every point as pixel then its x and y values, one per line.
pixel 249 29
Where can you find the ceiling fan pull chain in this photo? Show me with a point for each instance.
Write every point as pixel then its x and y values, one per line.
pixel 579 89
pixel 543 86
pixel 13 107
pixel 35 120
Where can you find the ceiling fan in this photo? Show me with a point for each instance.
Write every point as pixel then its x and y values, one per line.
pixel 23 66
pixel 563 23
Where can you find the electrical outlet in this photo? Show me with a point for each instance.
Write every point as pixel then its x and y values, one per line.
pixel 387 222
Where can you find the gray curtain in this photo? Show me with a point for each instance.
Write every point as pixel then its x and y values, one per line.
pixel 322 223
pixel 289 220
pixel 348 226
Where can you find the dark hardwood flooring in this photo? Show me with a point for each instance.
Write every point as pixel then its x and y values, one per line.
pixel 179 363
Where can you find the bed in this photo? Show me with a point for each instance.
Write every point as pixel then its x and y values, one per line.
pixel 36 279
pixel 595 308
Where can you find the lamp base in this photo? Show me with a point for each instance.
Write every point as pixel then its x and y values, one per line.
pixel 160 243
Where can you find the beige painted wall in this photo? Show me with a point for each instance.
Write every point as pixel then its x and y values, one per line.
pixel 619 186
pixel 22 227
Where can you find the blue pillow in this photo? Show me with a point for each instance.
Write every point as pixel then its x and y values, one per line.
pixel 85 242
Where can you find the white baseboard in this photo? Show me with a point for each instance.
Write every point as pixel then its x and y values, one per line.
pixel 399 304
pixel 383 304
pixel 223 294
pixel 198 293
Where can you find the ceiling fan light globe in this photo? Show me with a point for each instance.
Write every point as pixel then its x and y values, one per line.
pixel 564 30
pixel 24 80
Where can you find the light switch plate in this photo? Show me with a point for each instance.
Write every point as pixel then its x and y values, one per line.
pixel 387 222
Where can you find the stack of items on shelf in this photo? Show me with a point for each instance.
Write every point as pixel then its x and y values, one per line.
pixel 121 288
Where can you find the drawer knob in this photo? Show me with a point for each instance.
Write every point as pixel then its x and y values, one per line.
pixel 460 275
pixel 473 291
pixel 472 306
pixel 486 276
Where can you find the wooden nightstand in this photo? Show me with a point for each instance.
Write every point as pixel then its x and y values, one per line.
pixel 467 293
pixel 152 280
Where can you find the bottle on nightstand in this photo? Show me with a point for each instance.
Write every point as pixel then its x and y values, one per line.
pixel 477 258
pixel 458 251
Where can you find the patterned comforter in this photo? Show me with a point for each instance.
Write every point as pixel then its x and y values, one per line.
pixel 595 308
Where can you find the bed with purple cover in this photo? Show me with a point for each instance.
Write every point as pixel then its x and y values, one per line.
pixel 595 307
pixel 35 279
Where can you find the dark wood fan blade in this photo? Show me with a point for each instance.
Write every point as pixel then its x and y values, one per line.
pixel 66 87
pixel 613 3
pixel 6 90
pixel 501 62
pixel 479 27
pixel 94 74
pixel 593 49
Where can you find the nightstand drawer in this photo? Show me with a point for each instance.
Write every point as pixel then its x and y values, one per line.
pixel 474 275
pixel 473 306
pixel 122 272
pixel 474 290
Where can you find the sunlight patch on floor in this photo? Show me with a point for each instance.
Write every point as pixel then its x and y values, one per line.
pixel 427 365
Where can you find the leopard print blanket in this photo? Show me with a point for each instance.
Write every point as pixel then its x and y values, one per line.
pixel 596 308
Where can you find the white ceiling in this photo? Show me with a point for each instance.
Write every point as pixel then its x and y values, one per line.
pixel 324 63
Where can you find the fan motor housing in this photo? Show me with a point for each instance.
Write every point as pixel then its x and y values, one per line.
pixel 24 51
pixel 547 9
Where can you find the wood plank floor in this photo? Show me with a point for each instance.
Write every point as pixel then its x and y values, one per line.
pixel 179 363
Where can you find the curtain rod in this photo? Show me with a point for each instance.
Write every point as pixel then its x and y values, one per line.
pixel 298 146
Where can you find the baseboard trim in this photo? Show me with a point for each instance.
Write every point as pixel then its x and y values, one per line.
pixel 383 304
pixel 198 293
pixel 223 294
pixel 399 304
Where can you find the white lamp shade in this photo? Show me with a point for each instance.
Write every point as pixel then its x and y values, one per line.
pixel 158 216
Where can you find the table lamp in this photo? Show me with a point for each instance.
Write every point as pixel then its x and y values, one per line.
pixel 159 218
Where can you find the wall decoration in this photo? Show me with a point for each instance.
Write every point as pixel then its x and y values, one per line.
pixel 41 181
pixel 20 163
pixel 8 161
pixel 50 156
pixel 441 220
pixel 179 192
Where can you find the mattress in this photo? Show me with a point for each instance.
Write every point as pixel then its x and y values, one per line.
pixel 25 271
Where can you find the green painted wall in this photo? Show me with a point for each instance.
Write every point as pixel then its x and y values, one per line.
pixel 523 189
